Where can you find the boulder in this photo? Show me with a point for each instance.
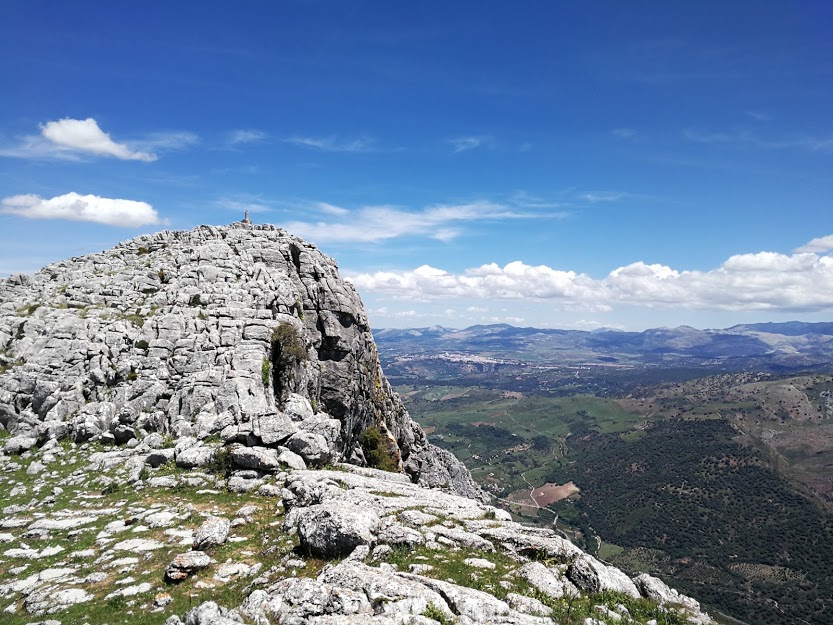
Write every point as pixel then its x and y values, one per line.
pixel 213 531
pixel 273 428
pixel 546 581
pixel 259 458
pixel 590 575
pixel 19 444
pixel 193 457
pixel 209 613
pixel 186 564
pixel 311 447
pixel 333 530
pixel 291 459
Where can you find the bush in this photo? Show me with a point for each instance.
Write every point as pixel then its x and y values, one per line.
pixel 433 612
pixel 287 351
pixel 221 463
pixel 378 449
pixel 265 372
pixel 287 343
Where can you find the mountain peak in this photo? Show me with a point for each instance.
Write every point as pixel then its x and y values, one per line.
pixel 242 332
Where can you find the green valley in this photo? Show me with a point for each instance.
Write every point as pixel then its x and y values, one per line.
pixel 721 481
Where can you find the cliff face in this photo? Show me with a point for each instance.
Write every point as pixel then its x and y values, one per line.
pixel 243 332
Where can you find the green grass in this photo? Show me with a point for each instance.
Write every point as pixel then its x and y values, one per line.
pixel 264 540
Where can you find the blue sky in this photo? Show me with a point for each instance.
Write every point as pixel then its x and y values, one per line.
pixel 540 163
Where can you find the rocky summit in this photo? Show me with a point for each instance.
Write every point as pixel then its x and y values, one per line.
pixel 196 429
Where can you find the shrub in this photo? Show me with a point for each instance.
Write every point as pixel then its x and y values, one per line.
pixel 287 351
pixel 379 450
pixel 433 612
pixel 265 371
pixel 287 343
pixel 221 463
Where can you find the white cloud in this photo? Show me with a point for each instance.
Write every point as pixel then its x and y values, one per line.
pixel 463 144
pixel 818 245
pixel 603 196
pixel 246 136
pixel 75 207
pixel 592 324
pixel 331 209
pixel 84 135
pixel 379 223
pixel 526 200
pixel 814 144
pixel 168 141
pixel 71 139
pixel 766 281
pixel 333 144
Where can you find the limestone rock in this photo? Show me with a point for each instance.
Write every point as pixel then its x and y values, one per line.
pixel 590 575
pixel 50 601
pixel 179 333
pixel 186 564
pixel 295 601
pixel 659 592
pixel 209 613
pixel 291 459
pixel 312 448
pixel 273 428
pixel 545 581
pixel 260 458
pixel 213 532
pixel 19 444
pixel 334 529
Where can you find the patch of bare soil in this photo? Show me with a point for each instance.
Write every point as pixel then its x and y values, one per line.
pixel 550 493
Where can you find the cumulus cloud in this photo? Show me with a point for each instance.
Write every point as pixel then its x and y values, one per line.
pixel 71 139
pixel 818 245
pixel 333 144
pixel 75 207
pixel 379 223
pixel 766 281
pixel 84 135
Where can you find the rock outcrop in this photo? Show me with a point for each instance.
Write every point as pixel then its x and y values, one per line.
pixel 196 411
pixel 243 333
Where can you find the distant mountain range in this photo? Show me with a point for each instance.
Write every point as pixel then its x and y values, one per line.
pixel 789 345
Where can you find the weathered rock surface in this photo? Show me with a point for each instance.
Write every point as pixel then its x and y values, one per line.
pixel 212 532
pixel 590 575
pixel 174 333
pixel 332 530
pixel 186 564
pixel 223 362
